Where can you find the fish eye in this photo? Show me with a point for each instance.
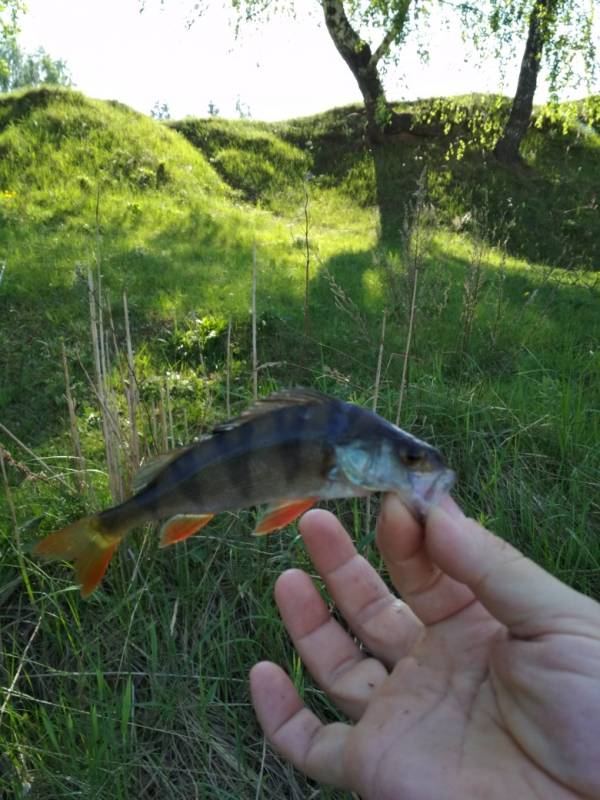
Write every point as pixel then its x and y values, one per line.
pixel 413 459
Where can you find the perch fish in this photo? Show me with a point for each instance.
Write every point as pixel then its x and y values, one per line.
pixel 288 451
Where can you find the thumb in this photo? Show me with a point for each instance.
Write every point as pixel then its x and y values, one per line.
pixel 515 590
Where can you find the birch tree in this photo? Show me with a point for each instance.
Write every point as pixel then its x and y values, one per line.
pixel 559 30
pixel 364 62
pixel 10 11
pixel 350 23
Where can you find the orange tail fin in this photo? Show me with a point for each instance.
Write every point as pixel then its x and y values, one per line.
pixel 84 543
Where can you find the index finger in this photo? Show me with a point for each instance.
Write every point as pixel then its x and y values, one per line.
pixel 384 623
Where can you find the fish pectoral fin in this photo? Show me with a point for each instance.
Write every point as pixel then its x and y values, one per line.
pixel 281 514
pixel 179 527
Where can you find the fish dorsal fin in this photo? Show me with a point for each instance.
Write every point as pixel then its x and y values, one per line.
pixel 152 467
pixel 275 401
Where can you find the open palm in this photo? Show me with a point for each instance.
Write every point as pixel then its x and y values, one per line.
pixel 485 682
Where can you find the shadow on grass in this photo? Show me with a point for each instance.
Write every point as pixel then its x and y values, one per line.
pixel 547 211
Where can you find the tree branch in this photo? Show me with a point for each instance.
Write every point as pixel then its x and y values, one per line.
pixel 396 28
pixel 349 44
pixel 464 7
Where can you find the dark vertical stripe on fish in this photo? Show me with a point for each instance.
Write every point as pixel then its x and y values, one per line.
pixel 355 419
pixel 237 468
pixel 334 420
pixel 291 456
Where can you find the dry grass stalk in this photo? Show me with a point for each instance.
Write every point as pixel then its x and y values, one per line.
pixel 472 292
pixel 228 372
pixel 169 407
pixel 80 472
pixel 307 251
pixel 346 305
pixel 379 361
pixel 40 461
pixel 131 393
pixel 259 780
pixel 116 472
pixel 19 549
pixel 186 431
pixel 415 246
pixel 110 431
pixel 254 349
pixel 9 498
pixel 405 361
pixel 375 401
pixel 94 388
pixel 11 688
pixel 108 404
pixel 500 299
pixel 9 458
pixel 163 433
pixel 154 426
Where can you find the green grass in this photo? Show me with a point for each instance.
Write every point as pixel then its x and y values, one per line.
pixel 250 157
pixel 142 690
pixel 545 210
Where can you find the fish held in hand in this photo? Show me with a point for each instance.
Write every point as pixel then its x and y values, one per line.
pixel 288 451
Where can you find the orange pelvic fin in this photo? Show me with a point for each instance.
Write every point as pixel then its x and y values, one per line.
pixel 281 514
pixel 84 543
pixel 178 528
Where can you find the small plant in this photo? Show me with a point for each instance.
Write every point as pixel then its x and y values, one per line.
pixel 200 343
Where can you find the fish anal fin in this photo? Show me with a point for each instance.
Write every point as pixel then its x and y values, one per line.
pixel 180 527
pixel 281 514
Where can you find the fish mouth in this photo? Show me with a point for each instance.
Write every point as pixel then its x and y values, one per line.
pixel 428 489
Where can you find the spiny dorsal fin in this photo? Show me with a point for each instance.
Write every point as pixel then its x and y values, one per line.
pixel 151 468
pixel 277 400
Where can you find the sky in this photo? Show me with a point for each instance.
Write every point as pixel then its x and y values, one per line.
pixel 286 68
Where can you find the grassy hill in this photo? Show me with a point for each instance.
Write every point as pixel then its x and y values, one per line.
pixel 142 691
pixel 545 212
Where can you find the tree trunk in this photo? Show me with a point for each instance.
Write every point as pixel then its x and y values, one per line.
pixel 359 58
pixel 508 145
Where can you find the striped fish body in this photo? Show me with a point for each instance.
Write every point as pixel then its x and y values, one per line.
pixel 288 451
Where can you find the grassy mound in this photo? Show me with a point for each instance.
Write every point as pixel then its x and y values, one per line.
pixel 545 211
pixel 248 156
pixel 142 691
pixel 88 184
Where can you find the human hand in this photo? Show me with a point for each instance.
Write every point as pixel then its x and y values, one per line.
pixel 485 683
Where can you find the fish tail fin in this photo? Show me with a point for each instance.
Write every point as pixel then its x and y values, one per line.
pixel 87 544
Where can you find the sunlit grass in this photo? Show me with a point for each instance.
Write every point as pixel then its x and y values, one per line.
pixel 142 690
